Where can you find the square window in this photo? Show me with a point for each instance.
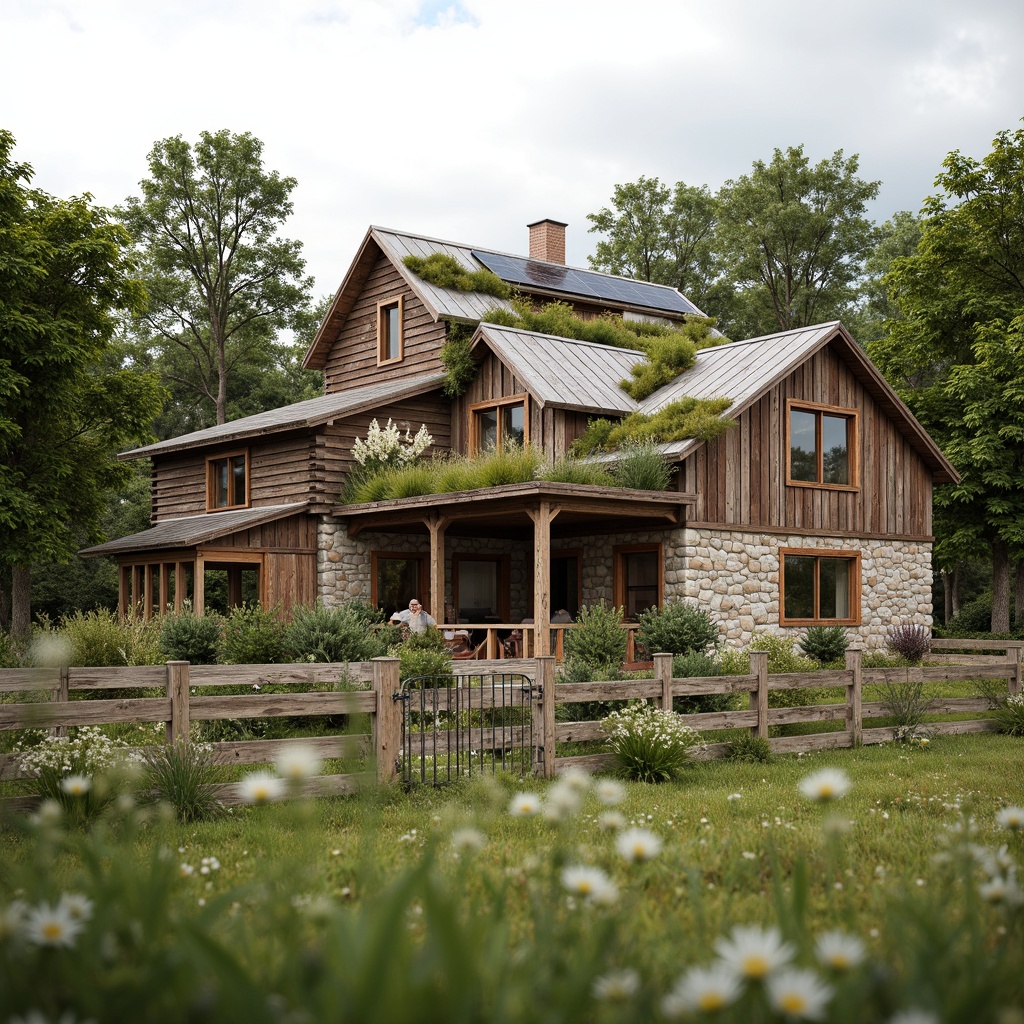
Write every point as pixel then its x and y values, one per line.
pixel 820 588
pixel 494 425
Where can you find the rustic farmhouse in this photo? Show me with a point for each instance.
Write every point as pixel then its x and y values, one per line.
pixel 815 507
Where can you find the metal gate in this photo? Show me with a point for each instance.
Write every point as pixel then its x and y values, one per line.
pixel 455 726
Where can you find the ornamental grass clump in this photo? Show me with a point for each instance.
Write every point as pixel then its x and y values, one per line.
pixel 182 774
pixel 650 744
pixel 1009 714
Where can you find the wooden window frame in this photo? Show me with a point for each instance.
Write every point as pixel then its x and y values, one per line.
pixel 619 576
pixel 504 563
pixel 522 399
pixel 211 463
pixel 852 417
pixel 383 359
pixel 856 586
pixel 423 557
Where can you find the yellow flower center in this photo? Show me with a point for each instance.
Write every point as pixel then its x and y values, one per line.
pixel 793 1003
pixel 584 888
pixel 710 1001
pixel 755 966
pixel 52 930
pixel 826 790
pixel 840 961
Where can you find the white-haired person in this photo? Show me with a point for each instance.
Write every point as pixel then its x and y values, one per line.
pixel 415 617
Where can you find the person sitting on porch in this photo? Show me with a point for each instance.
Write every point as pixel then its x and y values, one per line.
pixel 415 617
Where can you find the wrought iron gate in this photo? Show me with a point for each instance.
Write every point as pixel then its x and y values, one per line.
pixel 453 726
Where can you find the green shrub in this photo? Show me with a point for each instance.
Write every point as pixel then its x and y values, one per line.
pixel 508 464
pixel 909 640
pixel 679 627
pixel 697 665
pixel 596 648
pixel 343 633
pixel 446 271
pixel 650 744
pixel 425 654
pixel 189 637
pixel 181 774
pixel 825 644
pixel 100 637
pixel 974 617
pixel 8 651
pixel 750 749
pixel 1009 714
pixel 460 368
pixel 572 471
pixel 642 467
pixel 781 654
pixel 252 636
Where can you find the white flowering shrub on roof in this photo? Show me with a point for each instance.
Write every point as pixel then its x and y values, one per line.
pixel 387 447
pixel 650 744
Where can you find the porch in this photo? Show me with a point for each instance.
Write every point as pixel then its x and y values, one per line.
pixel 542 517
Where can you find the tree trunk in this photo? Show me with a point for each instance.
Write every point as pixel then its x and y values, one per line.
pixel 21 601
pixel 948 583
pixel 1018 595
pixel 5 599
pixel 1000 587
pixel 954 595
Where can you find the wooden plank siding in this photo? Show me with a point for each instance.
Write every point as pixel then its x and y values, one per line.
pixel 352 359
pixel 740 477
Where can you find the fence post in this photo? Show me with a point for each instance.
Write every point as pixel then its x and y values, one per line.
pixel 1013 656
pixel 663 673
pixel 759 697
pixel 177 691
pixel 544 718
pixel 854 699
pixel 61 692
pixel 387 721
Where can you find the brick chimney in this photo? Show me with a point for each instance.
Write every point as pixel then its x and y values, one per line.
pixel 547 241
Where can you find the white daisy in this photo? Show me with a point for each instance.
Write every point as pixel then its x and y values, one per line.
pixel 76 785
pixel 563 799
pixel 754 952
pixel 611 821
pixel 798 994
pixel 826 784
pixel 52 926
pixel 638 844
pixel 914 1016
pixel 261 788
pixel 298 761
pixel 12 917
pixel 703 989
pixel 468 840
pixel 524 805
pixel 839 950
pixel 616 986
pixel 610 792
pixel 589 882
pixel 78 906
pixel 575 778
pixel 1011 818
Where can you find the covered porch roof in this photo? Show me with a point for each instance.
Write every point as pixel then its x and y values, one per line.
pixel 519 509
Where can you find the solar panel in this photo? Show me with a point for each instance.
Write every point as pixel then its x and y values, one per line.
pixel 586 283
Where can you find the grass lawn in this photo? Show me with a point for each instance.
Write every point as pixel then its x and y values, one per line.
pixel 362 909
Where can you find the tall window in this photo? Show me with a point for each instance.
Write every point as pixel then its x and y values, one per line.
pixel 638 578
pixel 480 587
pixel 397 578
pixel 390 337
pixel 820 588
pixel 500 423
pixel 227 481
pixel 822 446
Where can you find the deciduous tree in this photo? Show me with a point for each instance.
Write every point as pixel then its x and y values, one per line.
pixel 66 403
pixel 222 282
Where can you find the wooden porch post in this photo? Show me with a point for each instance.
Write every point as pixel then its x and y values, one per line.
pixel 164 587
pixel 179 586
pixel 199 586
pixel 436 525
pixel 234 585
pixel 147 612
pixel 542 517
pixel 123 590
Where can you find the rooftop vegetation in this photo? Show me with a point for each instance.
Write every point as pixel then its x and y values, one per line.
pixel 446 271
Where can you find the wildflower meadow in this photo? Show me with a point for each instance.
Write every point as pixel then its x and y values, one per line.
pixel 874 884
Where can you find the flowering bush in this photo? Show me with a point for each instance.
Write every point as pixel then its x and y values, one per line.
pixel 1009 714
pixel 651 745
pixel 80 771
pixel 385 448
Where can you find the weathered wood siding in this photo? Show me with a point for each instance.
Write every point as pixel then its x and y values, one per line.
pixel 294 533
pixel 352 359
pixel 740 478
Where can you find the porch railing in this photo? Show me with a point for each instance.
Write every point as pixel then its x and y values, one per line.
pixel 493 641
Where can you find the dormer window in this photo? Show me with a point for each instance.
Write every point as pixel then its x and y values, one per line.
pixel 227 482
pixel 390 336
pixel 496 424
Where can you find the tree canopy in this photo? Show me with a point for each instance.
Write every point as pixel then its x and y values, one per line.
pixel 221 281
pixel 68 403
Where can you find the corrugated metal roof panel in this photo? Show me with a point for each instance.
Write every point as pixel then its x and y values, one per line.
pixel 563 372
pixel 193 530
pixel 299 414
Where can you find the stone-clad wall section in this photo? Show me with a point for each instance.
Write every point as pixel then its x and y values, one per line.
pixel 735 575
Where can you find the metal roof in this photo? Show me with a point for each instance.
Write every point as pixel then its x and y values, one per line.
pixel 310 413
pixel 191 531
pixel 563 372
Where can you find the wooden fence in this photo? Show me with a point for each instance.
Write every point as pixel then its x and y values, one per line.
pixel 176 708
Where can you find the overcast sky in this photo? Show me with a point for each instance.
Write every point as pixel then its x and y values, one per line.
pixel 466 120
